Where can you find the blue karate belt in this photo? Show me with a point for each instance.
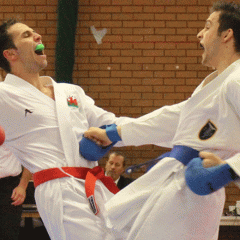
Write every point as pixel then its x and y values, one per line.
pixel 183 154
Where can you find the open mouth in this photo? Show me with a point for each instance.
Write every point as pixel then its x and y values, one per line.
pixel 201 46
pixel 39 49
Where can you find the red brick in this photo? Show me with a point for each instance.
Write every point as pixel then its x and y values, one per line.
pixel 121 74
pixel 120 103
pixel 153 53
pixel 143 2
pixel 133 67
pixel 164 74
pixel 153 9
pixel 36 2
pixel 99 59
pixel 176 24
pixel 176 9
pixel 165 31
pixel 165 45
pixel 109 95
pixel 141 89
pixel 132 53
pixel 132 9
pixel 121 45
pixel 174 81
pixel 165 16
pixel 132 81
pixel 122 16
pixel 100 2
pixel 100 16
pixel 131 95
pixel 133 24
pixel 185 2
pixel 109 52
pixel 143 45
pixel 187 74
pixel 174 53
pixel 186 31
pixel 143 74
pixel 173 96
pixel 126 110
pixel 187 45
pixel 174 67
pixel 88 67
pixel 142 103
pixel 111 81
pixel 85 9
pixel 7 9
pixel 152 81
pixel 198 9
pixel 99 74
pixel 122 31
pixel 143 16
pixel 187 60
pixel 154 38
pixel 111 24
pixel 185 89
pixel 152 67
pixel 122 59
pixel 143 31
pixel 176 38
pixel 153 96
pixel 121 2
pixel 164 2
pixel 88 53
pixel 154 24
pixel 161 103
pixel 132 38
pixel 165 59
pixel 191 53
pixel 102 103
pixel 143 59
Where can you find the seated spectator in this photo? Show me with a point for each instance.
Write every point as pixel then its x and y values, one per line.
pixel 115 167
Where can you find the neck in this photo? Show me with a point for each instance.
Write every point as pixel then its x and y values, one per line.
pixel 226 61
pixel 32 78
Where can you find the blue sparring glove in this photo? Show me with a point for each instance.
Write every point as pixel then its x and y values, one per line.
pixel 93 152
pixel 204 181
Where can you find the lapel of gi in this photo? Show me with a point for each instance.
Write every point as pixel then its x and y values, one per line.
pixel 69 140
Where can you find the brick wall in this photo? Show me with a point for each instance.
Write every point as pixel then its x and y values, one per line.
pixel 149 58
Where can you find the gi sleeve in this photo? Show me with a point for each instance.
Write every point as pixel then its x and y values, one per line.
pixel 157 127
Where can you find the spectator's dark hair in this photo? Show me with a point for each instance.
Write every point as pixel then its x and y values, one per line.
pixel 229 18
pixel 119 154
pixel 6 42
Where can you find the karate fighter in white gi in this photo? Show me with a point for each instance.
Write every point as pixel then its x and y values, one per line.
pixel 168 203
pixel 44 122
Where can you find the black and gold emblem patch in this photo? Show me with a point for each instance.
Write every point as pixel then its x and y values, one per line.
pixel 207 131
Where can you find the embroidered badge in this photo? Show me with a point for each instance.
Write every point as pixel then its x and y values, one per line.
pixel 72 102
pixel 207 131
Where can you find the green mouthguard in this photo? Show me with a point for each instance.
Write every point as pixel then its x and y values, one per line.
pixel 39 47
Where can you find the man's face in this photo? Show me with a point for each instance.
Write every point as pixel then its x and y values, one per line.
pixel 210 41
pixel 114 166
pixel 26 40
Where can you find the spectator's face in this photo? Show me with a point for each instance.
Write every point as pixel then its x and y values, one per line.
pixel 114 166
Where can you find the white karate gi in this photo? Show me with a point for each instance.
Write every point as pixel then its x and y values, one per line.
pixel 159 205
pixel 43 134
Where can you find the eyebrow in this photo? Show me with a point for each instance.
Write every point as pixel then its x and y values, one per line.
pixel 28 31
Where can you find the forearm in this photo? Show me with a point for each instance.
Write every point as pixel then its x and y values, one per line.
pixel 25 178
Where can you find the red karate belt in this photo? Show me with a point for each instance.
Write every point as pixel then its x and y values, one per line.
pixel 89 175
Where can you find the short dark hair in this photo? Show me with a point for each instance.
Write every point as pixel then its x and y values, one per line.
pixel 6 42
pixel 229 18
pixel 119 154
